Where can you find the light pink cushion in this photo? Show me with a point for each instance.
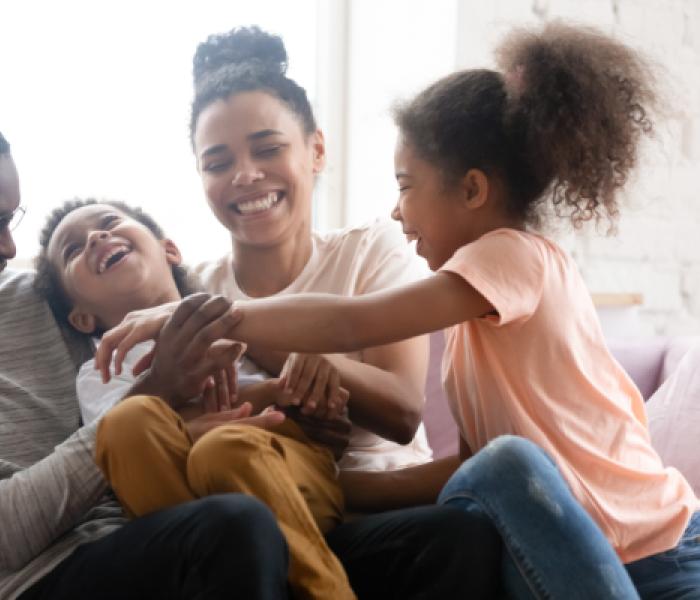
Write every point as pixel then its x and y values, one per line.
pixel 674 418
pixel 643 359
pixel 676 350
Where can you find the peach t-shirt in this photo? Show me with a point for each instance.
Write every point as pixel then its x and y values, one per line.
pixel 540 369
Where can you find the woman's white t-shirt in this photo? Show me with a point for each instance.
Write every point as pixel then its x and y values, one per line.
pixel 347 262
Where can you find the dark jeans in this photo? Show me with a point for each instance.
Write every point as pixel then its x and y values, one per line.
pixel 226 546
pixel 229 546
pixel 428 552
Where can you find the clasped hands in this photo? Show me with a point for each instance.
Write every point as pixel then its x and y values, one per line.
pixel 193 357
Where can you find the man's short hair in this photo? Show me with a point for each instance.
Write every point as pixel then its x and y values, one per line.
pixel 4 145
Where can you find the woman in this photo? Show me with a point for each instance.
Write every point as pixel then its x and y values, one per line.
pixel 258 152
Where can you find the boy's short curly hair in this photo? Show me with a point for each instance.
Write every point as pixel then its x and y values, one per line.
pixel 47 282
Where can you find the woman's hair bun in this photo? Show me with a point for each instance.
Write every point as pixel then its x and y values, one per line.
pixel 242 45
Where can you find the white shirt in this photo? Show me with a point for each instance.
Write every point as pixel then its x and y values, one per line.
pixel 348 262
pixel 96 398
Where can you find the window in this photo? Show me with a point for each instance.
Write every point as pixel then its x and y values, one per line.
pixel 95 103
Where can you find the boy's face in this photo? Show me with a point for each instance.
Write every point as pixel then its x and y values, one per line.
pixel 110 264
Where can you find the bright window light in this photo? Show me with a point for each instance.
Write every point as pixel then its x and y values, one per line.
pixel 95 103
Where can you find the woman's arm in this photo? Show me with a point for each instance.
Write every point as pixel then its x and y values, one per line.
pixel 324 323
pixel 387 490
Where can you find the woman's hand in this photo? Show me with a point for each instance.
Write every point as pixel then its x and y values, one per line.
pixel 198 426
pixel 312 382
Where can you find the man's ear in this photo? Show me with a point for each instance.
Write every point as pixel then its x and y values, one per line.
pixel 475 189
pixel 318 147
pixel 172 252
pixel 82 321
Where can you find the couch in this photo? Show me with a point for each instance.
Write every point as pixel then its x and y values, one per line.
pixel 648 361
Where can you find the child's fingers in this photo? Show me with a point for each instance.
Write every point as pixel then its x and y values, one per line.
pixel 209 400
pixel 339 407
pixel 123 348
pixel 305 383
pixel 266 420
pixel 232 377
pixel 103 355
pixel 335 403
pixel 104 367
pixel 316 402
pixel 222 391
pixel 284 373
pixel 295 366
pixel 242 411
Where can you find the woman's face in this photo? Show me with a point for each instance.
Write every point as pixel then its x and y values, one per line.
pixel 257 167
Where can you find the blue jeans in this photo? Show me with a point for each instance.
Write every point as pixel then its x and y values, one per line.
pixel 674 574
pixel 551 547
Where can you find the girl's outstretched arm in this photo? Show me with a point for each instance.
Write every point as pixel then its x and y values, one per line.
pixel 327 323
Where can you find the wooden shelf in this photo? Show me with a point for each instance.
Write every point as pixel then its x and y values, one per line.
pixel 617 300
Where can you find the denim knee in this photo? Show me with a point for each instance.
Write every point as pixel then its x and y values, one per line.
pixel 505 461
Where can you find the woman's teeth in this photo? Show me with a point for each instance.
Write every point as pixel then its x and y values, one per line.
pixel 258 204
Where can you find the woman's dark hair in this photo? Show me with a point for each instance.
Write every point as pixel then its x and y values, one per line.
pixel 47 282
pixel 4 145
pixel 561 122
pixel 245 59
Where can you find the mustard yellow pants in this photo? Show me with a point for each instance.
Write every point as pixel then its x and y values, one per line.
pixel 147 456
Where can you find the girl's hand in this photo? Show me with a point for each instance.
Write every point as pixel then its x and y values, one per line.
pixel 140 326
pixel 137 326
pixel 312 382
pixel 198 426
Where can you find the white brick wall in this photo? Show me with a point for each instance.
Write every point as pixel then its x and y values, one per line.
pixel 397 46
pixel 657 249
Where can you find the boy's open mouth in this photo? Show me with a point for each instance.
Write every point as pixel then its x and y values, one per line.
pixel 257 204
pixel 112 257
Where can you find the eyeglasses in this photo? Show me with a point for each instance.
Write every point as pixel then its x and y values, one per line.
pixel 11 222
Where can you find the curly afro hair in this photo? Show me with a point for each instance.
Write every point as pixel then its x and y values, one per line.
pixel 560 122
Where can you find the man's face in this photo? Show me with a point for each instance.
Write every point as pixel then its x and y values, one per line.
pixel 9 201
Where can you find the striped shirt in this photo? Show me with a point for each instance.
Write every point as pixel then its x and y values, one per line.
pixel 52 495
